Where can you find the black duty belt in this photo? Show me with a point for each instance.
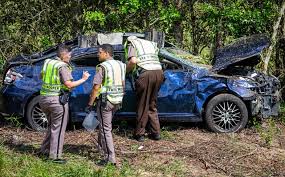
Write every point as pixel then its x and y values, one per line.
pixel 140 70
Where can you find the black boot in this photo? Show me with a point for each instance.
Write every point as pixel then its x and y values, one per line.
pixel 139 138
pixel 155 136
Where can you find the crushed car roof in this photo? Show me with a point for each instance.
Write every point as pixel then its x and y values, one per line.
pixel 243 52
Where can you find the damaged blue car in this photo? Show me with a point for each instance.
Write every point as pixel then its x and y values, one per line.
pixel 225 95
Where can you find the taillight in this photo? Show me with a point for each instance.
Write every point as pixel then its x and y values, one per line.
pixel 11 76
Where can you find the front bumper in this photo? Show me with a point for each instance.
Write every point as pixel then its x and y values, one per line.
pixel 265 106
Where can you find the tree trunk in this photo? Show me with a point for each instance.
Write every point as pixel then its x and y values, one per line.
pixel 178 30
pixel 273 38
pixel 280 58
pixel 195 47
pixel 218 36
pixel 280 51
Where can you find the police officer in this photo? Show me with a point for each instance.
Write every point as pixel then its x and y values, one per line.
pixel 57 82
pixel 108 88
pixel 143 61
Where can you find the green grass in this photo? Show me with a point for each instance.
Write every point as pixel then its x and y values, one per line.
pixel 174 168
pixel 282 112
pixel 2 63
pixel 14 121
pixel 20 164
pixel 166 134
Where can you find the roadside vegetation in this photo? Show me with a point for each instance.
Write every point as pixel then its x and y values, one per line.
pixel 185 150
pixel 198 26
pixel 23 164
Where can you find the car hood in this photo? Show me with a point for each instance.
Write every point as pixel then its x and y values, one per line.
pixel 243 52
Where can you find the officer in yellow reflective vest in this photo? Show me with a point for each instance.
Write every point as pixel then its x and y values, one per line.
pixel 57 82
pixel 143 61
pixel 108 88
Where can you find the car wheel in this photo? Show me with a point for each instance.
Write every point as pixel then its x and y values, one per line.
pixel 36 118
pixel 226 113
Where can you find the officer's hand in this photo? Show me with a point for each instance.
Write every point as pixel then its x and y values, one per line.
pixel 85 75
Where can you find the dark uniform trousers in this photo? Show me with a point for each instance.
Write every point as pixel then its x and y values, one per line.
pixel 105 138
pixel 147 87
pixel 57 115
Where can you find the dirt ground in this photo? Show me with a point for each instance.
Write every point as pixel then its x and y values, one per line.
pixel 185 150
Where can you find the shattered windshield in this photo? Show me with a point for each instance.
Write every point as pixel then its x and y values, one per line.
pixel 186 57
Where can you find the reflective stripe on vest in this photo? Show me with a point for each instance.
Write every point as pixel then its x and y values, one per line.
pixel 114 75
pixel 147 53
pixel 51 79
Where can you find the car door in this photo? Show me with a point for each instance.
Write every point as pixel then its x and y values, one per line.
pixel 176 97
pixel 80 94
pixel 128 109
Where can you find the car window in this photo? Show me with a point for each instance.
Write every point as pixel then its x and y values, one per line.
pixel 92 59
pixel 86 60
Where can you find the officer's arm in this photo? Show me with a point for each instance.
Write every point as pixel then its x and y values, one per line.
pixel 94 94
pixel 123 84
pixel 131 64
pixel 71 84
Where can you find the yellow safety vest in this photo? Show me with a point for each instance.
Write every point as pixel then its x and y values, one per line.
pixel 147 53
pixel 51 79
pixel 114 75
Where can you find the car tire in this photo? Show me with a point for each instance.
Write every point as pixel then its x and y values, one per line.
pixel 226 113
pixel 36 118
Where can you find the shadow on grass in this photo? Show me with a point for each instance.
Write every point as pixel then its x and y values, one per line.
pixel 21 148
pixel 126 128
pixel 89 152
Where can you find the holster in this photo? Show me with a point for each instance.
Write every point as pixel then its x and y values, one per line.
pixel 64 97
pixel 138 72
pixel 103 99
pixel 135 76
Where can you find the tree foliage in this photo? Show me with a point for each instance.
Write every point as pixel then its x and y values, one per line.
pixel 196 25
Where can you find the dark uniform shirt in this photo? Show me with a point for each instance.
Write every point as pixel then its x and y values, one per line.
pixel 131 51
pixel 65 74
pixel 98 78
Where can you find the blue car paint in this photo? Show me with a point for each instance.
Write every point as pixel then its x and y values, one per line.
pixel 241 88
pixel 182 96
pixel 176 90
pixel 18 94
pixel 80 95
pixel 206 87
pixel 243 49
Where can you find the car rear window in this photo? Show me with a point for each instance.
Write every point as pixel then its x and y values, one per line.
pixel 86 60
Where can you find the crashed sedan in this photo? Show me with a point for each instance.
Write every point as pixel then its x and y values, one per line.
pixel 225 96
